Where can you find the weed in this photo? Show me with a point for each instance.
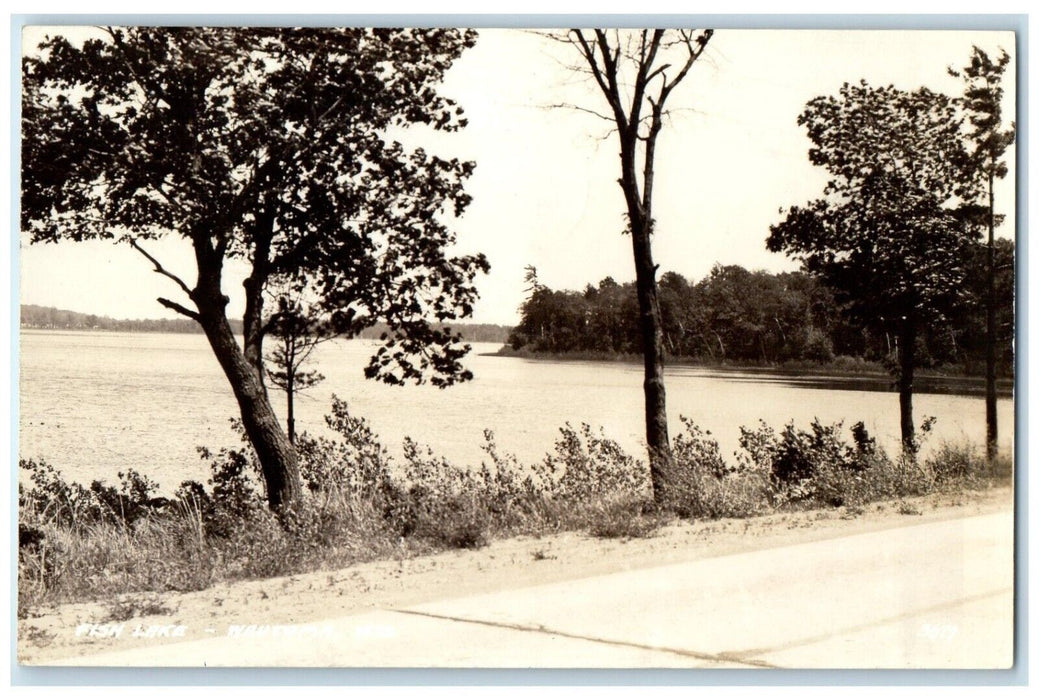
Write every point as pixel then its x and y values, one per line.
pixel 35 636
pixel 906 508
pixel 128 607
pixel 542 555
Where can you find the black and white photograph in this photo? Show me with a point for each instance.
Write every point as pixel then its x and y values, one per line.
pixel 439 347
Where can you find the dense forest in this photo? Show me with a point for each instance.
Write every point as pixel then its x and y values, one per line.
pixel 46 317
pixel 737 315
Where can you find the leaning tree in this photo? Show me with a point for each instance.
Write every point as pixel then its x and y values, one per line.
pixel 890 234
pixel 637 71
pixel 268 146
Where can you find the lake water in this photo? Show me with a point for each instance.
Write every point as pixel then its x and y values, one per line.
pixel 93 404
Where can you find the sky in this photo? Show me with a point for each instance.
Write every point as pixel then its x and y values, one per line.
pixel 545 189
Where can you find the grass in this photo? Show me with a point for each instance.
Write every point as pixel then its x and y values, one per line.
pixel 125 545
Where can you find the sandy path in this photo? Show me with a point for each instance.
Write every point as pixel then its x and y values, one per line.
pixel 504 565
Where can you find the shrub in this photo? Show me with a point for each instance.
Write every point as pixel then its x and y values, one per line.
pixel 814 464
pixel 700 484
pixel 133 500
pixel 235 494
pixel 952 463
pixel 357 463
pixel 50 499
pixel 586 466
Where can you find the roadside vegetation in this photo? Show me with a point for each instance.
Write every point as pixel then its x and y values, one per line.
pixel 80 543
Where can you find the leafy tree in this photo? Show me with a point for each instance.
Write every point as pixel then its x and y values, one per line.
pixel 982 100
pixel 268 146
pixel 637 71
pixel 887 234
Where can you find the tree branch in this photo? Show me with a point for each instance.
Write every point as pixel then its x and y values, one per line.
pixel 180 309
pixel 159 268
pixel 694 53
pixel 579 108
pixel 603 75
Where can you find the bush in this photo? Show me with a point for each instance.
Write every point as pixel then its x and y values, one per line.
pixel 953 464
pixel 235 494
pixel 586 466
pixel 812 464
pixel 52 500
pixel 357 463
pixel 700 484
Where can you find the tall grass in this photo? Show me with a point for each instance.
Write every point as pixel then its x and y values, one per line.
pixel 78 543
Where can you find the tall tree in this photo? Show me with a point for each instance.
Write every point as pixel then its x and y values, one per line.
pixel 637 71
pixel 888 233
pixel 268 146
pixel 982 100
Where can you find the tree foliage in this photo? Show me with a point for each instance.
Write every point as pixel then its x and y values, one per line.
pixel 887 234
pixel 269 145
pixel 983 103
pixel 731 315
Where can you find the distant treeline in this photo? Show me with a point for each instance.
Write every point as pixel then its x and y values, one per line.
pixel 59 319
pixel 736 315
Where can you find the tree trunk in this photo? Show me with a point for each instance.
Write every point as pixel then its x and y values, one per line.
pixel 276 455
pixel 651 331
pixel 289 392
pixel 906 366
pixel 991 428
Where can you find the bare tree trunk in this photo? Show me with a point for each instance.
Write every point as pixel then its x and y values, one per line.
pixel 991 428
pixel 276 454
pixel 289 397
pixel 651 331
pixel 906 367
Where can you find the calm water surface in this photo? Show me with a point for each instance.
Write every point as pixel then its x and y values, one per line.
pixel 96 403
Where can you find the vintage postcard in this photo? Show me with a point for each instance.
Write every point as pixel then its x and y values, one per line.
pixel 586 348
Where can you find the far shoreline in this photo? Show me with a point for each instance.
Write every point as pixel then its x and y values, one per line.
pixel 858 374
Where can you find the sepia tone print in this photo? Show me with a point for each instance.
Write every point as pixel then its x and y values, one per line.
pixel 587 348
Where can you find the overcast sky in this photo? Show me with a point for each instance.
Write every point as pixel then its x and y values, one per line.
pixel 545 189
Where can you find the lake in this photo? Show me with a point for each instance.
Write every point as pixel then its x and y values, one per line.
pixel 93 404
